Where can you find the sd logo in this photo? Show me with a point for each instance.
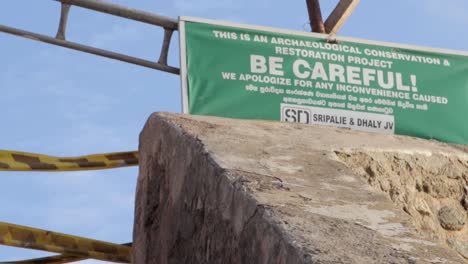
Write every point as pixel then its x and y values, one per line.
pixel 295 115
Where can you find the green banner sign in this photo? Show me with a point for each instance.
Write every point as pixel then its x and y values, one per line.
pixel 249 72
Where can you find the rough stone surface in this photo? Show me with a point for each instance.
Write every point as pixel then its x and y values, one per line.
pixel 451 219
pixel 460 246
pixel 465 199
pixel 421 184
pixel 215 190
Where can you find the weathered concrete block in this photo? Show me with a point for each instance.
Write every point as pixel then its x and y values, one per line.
pixel 213 190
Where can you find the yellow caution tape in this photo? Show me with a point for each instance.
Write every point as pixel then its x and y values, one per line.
pixel 57 259
pixel 23 161
pixel 32 238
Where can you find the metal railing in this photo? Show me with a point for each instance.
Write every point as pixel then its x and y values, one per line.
pixel 73 248
pixel 168 24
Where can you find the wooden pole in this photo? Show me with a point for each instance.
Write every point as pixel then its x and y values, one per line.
pixel 315 16
pixel 339 16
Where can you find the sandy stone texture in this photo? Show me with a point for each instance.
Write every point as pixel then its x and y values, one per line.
pixel 214 190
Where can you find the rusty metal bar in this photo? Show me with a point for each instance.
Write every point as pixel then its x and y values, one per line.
pixel 65 10
pixel 89 49
pixel 165 46
pixel 315 16
pixel 126 12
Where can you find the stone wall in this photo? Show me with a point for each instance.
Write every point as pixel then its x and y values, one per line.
pixel 213 190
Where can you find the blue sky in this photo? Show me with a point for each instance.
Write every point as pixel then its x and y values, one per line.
pixel 61 102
